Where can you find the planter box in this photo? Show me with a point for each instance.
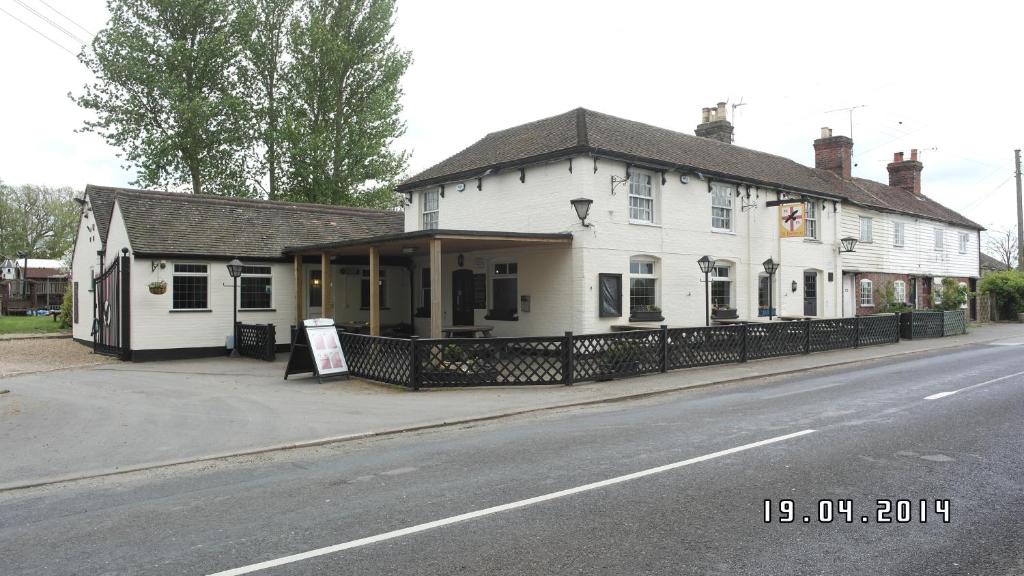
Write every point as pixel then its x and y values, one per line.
pixel 640 316
pixel 725 314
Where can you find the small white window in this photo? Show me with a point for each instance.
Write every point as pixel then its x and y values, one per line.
pixel 899 291
pixel 965 241
pixel 867 294
pixel 897 234
pixel 431 209
pixel 865 229
pixel 721 206
pixel 811 220
pixel 643 285
pixel 641 197
pixel 938 239
pixel 721 287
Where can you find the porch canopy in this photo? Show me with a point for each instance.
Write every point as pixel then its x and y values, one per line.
pixel 408 244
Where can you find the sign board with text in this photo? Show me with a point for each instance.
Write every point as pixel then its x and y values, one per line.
pixel 317 349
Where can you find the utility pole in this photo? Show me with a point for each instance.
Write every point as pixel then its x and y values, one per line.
pixel 1020 215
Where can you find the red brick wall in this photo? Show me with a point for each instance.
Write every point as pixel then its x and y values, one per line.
pixel 878 280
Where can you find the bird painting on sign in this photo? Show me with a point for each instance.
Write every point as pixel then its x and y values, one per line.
pixel 791 221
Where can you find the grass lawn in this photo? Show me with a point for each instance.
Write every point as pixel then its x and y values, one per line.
pixel 28 325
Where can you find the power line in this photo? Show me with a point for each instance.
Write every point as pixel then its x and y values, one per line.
pixel 30 27
pixel 44 18
pixel 66 17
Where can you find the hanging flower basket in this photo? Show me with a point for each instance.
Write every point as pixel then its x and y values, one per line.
pixel 158 287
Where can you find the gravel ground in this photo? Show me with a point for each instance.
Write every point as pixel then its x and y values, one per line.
pixel 39 354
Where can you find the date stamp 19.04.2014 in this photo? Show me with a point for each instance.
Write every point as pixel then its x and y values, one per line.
pixel 884 511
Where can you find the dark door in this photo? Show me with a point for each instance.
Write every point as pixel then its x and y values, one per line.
pixel 462 298
pixel 913 293
pixel 810 293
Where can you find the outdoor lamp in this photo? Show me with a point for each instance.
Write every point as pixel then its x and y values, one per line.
pixel 771 267
pixel 706 263
pixel 582 207
pixel 848 244
pixel 235 270
pixel 793 285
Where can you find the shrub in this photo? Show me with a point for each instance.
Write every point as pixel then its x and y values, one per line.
pixel 885 295
pixel 951 295
pixel 65 308
pixel 1006 289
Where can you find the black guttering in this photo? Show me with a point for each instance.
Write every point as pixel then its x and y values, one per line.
pixel 419 234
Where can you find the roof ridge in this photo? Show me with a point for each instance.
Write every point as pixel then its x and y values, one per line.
pixel 189 197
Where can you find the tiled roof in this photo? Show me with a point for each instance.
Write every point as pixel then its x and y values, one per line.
pixel 584 131
pixel 990 263
pixel 171 223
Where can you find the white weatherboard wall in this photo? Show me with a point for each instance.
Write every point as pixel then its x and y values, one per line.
pixel 680 235
pixel 84 263
pixel 917 256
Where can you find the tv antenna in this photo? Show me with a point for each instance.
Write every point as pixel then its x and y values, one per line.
pixel 850 110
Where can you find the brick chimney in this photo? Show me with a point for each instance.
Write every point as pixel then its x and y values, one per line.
pixel 834 153
pixel 906 174
pixel 715 125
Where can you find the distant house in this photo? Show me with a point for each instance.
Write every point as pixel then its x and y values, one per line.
pixel 39 286
pixel 990 264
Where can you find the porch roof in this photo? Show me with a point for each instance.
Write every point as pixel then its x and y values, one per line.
pixel 418 242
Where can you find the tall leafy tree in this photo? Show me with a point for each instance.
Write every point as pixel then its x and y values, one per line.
pixel 167 92
pixel 39 220
pixel 343 103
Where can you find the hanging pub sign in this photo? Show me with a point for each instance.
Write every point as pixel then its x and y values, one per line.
pixel 316 349
pixel 791 221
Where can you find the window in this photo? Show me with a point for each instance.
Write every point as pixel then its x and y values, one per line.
pixel 721 287
pixel 315 290
pixel 425 287
pixel 965 241
pixel 938 239
pixel 867 293
pixel 764 304
pixel 190 287
pixel 721 206
pixel 899 291
pixel 431 209
pixel 865 229
pixel 641 197
pixel 255 288
pixel 505 292
pixel 609 303
pixel 897 234
pixel 643 285
pixel 382 289
pixel 811 220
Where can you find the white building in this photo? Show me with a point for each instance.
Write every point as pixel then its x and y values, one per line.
pixel 490 239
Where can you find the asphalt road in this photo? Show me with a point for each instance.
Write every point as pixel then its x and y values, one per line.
pixel 869 433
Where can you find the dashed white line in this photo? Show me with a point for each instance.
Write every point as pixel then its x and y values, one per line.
pixel 502 508
pixel 979 384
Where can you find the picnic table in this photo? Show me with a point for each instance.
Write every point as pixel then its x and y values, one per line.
pixel 483 330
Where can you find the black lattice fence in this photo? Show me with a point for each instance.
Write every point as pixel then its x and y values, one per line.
pixel 881 329
pixel 954 322
pixel 617 354
pixel 834 334
pixel 704 346
pixel 921 324
pixel 378 358
pixel 256 341
pixel 774 339
pixel 491 361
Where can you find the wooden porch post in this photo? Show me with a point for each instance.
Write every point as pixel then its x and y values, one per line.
pixel 374 292
pixel 298 290
pixel 436 288
pixel 326 289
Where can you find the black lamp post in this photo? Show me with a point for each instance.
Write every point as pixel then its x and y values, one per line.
pixel 706 263
pixel 771 267
pixel 848 244
pixel 235 270
pixel 582 207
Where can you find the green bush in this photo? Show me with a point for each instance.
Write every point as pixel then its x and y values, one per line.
pixel 885 295
pixel 1007 291
pixel 65 308
pixel 951 295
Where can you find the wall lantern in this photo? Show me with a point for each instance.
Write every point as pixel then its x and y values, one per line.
pixel 235 270
pixel 771 267
pixel 706 263
pixel 582 207
pixel 848 244
pixel 793 285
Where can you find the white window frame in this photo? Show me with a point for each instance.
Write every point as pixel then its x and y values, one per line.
pixel 899 230
pixel 642 275
pixel 811 220
pixel 642 197
pixel 869 236
pixel 174 272
pixel 384 287
pixel 939 239
pixel 727 279
pixel 245 274
pixel 722 198
pixel 870 300
pixel 965 241
pixel 899 291
pixel 431 216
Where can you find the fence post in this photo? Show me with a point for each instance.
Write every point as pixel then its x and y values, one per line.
pixel 856 333
pixel 270 350
pixel 568 359
pixel 414 381
pixel 807 337
pixel 664 348
pixel 743 342
pixel 899 326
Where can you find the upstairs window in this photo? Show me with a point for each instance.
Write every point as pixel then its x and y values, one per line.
pixel 811 220
pixel 382 289
pixel 897 234
pixel 865 229
pixel 965 241
pixel 431 209
pixel 190 288
pixel 721 206
pixel 721 287
pixel 641 197
pixel 938 239
pixel 254 288
pixel 643 285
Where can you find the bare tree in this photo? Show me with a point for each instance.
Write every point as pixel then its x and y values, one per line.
pixel 1003 246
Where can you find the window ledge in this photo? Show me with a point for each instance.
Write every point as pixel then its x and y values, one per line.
pixel 257 309
pixel 188 310
pixel 644 223
pixel 723 231
pixel 812 240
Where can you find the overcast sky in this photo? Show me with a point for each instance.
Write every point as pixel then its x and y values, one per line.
pixel 944 81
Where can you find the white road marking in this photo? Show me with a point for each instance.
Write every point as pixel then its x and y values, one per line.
pixel 502 508
pixel 979 384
